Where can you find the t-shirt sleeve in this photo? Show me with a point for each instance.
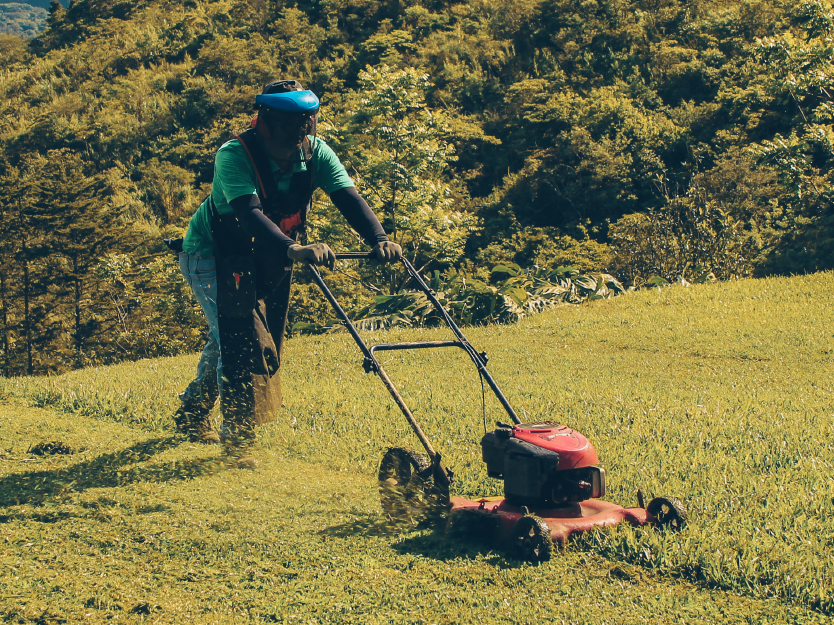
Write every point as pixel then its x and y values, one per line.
pixel 234 172
pixel 329 174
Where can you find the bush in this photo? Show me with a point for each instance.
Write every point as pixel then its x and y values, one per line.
pixel 548 247
pixel 689 232
pixel 512 294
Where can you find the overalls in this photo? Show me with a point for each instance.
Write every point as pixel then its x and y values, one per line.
pixel 253 293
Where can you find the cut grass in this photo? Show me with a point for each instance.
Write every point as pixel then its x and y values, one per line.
pixel 719 394
pixel 124 531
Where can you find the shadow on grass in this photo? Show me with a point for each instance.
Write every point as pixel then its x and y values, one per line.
pixel 438 545
pixel 433 543
pixel 108 470
pixel 367 526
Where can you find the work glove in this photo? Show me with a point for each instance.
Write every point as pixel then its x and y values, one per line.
pixel 387 251
pixel 317 253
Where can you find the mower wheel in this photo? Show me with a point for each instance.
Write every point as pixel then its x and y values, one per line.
pixel 668 511
pixel 532 539
pixel 396 470
pixel 427 500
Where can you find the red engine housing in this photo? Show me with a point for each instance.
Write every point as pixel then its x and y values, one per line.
pixel 543 464
pixel 575 451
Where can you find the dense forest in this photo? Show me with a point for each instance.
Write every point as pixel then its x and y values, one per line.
pixel 651 139
pixel 22 20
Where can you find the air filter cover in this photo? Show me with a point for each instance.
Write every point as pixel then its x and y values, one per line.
pixel 575 451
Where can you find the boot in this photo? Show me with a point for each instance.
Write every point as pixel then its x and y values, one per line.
pixel 238 453
pixel 238 447
pixel 195 423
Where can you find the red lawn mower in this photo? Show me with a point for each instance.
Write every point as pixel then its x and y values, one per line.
pixel 552 483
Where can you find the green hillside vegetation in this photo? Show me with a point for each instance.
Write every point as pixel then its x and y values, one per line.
pixel 653 138
pixel 22 20
pixel 42 4
pixel 719 394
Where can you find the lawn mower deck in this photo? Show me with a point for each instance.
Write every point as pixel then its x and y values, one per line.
pixel 531 533
pixel 562 521
pixel 552 481
pixel 499 518
pixel 552 486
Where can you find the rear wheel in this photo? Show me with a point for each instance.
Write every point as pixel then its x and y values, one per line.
pixel 396 471
pixel 669 512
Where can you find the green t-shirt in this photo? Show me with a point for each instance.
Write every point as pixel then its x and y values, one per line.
pixel 234 176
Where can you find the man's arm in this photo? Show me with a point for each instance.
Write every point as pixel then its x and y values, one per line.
pixel 271 242
pixel 359 215
pixel 269 237
pixel 277 246
pixel 362 219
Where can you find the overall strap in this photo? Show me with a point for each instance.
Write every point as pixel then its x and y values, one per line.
pixel 260 161
pixel 287 210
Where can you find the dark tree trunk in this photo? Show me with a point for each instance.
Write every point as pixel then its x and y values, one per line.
pixel 4 304
pixel 27 318
pixel 79 339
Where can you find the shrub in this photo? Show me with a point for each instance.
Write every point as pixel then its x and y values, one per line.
pixel 689 231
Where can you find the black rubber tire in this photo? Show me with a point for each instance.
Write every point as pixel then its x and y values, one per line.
pixel 428 503
pixel 669 512
pixel 532 540
pixel 396 470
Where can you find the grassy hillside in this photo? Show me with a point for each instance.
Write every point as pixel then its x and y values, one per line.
pixel 718 394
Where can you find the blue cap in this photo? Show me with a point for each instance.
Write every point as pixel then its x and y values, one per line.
pixel 289 102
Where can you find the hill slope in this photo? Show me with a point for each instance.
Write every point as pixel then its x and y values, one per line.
pixel 719 394
pixel 22 20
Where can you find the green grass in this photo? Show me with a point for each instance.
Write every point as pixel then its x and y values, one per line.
pixel 718 394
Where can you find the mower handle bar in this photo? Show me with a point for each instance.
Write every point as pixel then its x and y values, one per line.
pixel 372 364
pixel 359 255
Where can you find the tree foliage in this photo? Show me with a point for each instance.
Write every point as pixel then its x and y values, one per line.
pixel 22 20
pixel 602 134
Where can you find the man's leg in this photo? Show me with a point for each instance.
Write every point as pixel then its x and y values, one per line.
pixel 277 309
pixel 193 416
pixel 238 400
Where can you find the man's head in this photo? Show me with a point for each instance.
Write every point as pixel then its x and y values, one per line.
pixel 287 112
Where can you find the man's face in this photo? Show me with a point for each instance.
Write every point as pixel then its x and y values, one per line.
pixel 288 129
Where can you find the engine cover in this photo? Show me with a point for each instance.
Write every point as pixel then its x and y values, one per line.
pixel 575 452
pixel 543 463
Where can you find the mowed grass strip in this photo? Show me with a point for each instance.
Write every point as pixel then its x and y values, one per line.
pixel 139 528
pixel 718 394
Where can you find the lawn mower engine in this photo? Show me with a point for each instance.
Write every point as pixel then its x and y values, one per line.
pixel 543 464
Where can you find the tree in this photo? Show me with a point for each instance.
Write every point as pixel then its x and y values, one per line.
pixel 402 151
pixel 30 282
pixel 83 226
pixel 801 71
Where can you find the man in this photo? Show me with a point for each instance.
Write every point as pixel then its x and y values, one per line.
pixel 237 257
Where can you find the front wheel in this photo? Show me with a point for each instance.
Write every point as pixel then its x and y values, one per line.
pixel 532 539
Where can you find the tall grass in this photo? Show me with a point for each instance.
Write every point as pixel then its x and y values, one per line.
pixel 718 394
